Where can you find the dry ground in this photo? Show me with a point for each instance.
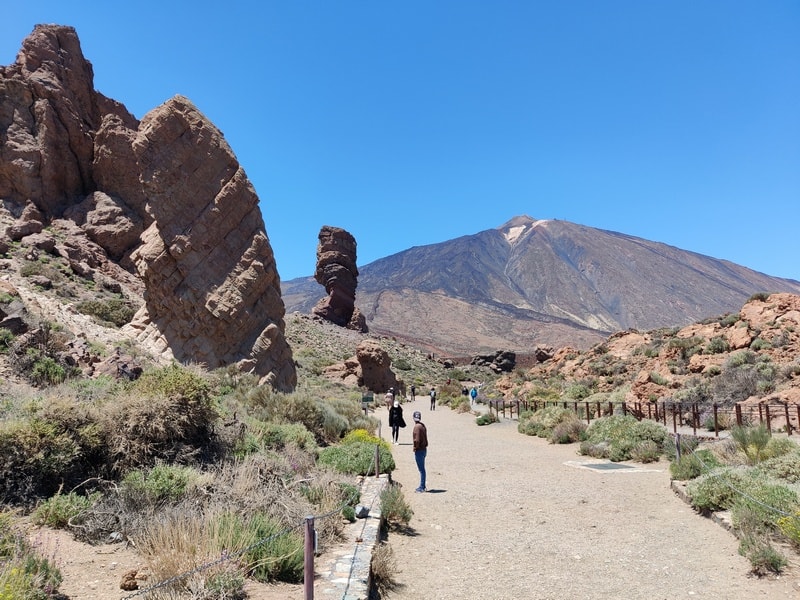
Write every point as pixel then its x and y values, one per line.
pixel 509 516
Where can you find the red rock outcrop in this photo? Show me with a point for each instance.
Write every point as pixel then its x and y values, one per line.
pixel 162 202
pixel 337 272
pixel 371 368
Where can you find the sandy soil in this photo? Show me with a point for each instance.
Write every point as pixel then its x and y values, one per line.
pixel 507 517
pixel 510 516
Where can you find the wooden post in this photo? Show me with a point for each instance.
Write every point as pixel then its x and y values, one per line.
pixel 377 460
pixel 788 422
pixel 610 408
pixel 716 423
pixel 739 414
pixel 588 414
pixel 599 414
pixel 769 421
pixel 694 418
pixel 674 420
pixel 624 409
pixel 308 563
pixel 678 446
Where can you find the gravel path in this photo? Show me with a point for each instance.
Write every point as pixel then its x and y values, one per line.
pixel 511 516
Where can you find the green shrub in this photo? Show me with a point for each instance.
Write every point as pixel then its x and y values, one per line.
pixel 394 507
pixel 658 379
pixel 759 344
pixel 693 464
pixel 24 573
pixel 759 297
pixel 486 419
pixel 542 422
pixel 260 436
pixel 6 339
pixel 115 311
pixel 568 432
pixel 402 364
pixel 174 380
pixel 357 458
pixel 738 359
pixel 46 371
pixel 716 345
pixel 785 467
pixel 57 511
pixel 751 441
pixel 763 556
pixel 730 319
pixel 578 391
pixel 273 552
pixel 646 451
pixel 159 485
pixel 715 490
pixel 616 436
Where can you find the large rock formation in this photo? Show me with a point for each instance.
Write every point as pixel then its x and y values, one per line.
pixel 337 272
pixel 162 202
pixel 371 368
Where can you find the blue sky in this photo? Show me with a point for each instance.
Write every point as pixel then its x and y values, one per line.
pixel 415 122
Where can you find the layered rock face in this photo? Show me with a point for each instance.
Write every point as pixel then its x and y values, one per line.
pixel 337 272
pixel 164 199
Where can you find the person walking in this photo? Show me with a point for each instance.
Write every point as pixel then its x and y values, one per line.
pixel 388 399
pixel 473 394
pixel 433 398
pixel 396 421
pixel 413 392
pixel 419 437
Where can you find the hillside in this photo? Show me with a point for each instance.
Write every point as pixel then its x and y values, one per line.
pixel 532 283
pixel 751 356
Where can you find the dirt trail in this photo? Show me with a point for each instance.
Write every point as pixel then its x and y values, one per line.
pixel 509 516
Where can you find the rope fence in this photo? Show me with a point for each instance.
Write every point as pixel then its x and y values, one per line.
pixel 713 417
pixel 708 469
pixel 310 544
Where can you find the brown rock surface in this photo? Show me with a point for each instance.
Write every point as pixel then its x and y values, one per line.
pixel 371 368
pixel 161 206
pixel 212 288
pixel 337 272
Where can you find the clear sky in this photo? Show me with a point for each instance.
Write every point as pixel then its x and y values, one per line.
pixel 415 122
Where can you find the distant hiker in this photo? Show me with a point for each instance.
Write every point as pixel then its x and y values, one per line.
pixel 413 392
pixel 433 399
pixel 419 437
pixel 473 394
pixel 388 399
pixel 396 421
pixel 464 391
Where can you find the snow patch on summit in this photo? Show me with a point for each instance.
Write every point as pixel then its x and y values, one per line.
pixel 512 234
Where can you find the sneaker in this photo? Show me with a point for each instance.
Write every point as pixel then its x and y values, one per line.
pixel 419 490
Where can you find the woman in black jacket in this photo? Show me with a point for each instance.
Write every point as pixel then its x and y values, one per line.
pixel 396 420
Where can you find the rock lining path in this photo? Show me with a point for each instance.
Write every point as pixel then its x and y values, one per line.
pixel 509 516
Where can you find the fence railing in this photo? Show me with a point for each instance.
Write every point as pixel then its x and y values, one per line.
pixel 711 417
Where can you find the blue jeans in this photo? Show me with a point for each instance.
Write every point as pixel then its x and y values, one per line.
pixel 419 456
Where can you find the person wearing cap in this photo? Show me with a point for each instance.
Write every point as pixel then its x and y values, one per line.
pixel 396 420
pixel 419 437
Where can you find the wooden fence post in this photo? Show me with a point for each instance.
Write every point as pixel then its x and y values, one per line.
pixel 716 423
pixel 308 562
pixel 788 422
pixel 769 421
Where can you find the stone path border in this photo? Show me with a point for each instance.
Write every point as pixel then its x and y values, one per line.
pixel 345 575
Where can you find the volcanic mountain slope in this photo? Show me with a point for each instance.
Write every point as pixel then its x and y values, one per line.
pixel 535 283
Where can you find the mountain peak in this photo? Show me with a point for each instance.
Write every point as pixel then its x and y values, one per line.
pixel 516 227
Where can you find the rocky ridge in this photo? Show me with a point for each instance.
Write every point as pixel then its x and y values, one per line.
pixel 159 208
pixel 751 356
